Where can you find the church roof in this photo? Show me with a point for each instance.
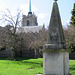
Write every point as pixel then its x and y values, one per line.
pixel 29 29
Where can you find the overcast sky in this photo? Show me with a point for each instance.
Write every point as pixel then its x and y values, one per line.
pixel 42 9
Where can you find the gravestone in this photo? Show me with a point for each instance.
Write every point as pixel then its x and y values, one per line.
pixel 55 54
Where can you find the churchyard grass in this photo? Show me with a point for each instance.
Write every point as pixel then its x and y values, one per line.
pixel 26 66
pixel 72 66
pixel 21 67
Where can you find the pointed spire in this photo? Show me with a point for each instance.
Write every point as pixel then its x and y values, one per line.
pixel 29 8
pixel 29 5
pixel 56 35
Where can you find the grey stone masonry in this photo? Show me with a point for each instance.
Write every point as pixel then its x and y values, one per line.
pixel 29 20
pixel 56 63
pixel 56 35
pixel 55 55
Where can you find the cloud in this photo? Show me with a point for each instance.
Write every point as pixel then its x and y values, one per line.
pixel 25 8
pixel 42 15
pixel 2 5
pixel 34 8
pixel 65 24
pixel 2 9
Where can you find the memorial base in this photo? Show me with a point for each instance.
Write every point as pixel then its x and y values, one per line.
pixel 56 63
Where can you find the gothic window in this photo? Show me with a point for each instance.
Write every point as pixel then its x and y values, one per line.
pixel 28 23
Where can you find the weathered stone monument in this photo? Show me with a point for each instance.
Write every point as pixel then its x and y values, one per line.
pixel 55 54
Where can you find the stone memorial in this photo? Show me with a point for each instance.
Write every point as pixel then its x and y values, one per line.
pixel 55 53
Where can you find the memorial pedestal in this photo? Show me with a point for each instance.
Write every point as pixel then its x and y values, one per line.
pixel 56 63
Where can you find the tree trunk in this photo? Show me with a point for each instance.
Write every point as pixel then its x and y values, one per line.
pixel 35 51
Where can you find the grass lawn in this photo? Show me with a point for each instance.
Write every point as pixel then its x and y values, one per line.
pixel 26 67
pixel 72 66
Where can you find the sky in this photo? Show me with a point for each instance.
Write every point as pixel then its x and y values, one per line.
pixel 41 8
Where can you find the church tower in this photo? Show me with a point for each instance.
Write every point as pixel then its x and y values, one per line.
pixel 30 19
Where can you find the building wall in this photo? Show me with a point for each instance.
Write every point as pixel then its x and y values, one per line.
pixel 32 20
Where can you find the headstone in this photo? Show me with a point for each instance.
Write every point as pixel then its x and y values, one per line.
pixel 55 55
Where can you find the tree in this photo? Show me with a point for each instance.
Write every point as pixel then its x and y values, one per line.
pixel 70 32
pixel 73 16
pixel 5 35
pixel 39 39
pixel 14 22
pixel 70 37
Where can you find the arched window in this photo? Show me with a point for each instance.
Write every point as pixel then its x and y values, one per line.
pixel 28 23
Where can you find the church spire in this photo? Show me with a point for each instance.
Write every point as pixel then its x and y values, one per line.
pixel 29 7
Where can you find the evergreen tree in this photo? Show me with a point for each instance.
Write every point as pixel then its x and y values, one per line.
pixel 73 16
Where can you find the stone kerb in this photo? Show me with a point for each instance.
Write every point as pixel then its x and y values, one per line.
pixel 52 48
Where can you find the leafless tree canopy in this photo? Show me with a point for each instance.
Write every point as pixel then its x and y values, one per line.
pixel 13 22
pixel 70 37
